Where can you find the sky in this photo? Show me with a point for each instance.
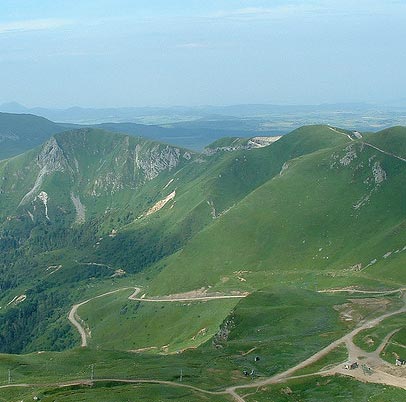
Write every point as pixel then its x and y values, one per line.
pixel 111 53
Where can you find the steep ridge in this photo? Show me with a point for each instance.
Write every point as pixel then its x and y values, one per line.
pixel 93 164
pixel 206 190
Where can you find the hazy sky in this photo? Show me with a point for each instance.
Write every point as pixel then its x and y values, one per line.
pixel 59 53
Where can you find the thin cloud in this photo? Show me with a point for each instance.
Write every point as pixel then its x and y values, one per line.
pixel 192 45
pixel 314 8
pixel 33 25
pixel 250 13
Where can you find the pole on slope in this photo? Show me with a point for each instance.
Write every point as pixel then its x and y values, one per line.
pixel 9 376
pixel 181 375
pixel 92 372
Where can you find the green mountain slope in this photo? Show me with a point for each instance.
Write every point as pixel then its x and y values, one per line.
pixel 315 209
pixel 205 190
pixel 92 215
pixel 328 216
pixel 391 140
pixel 89 197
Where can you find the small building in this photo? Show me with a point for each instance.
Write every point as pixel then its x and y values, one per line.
pixel 400 362
pixel 351 366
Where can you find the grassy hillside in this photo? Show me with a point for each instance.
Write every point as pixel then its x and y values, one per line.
pixel 330 388
pixel 56 201
pixel 205 190
pixel 281 326
pixel 390 140
pixel 101 190
pixel 328 212
pixel 90 212
pixel 119 323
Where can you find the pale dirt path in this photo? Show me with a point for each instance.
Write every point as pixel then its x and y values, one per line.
pixel 351 290
pixel 167 299
pixel 96 264
pixel 123 381
pixel 74 318
pixel 377 376
pixel 370 145
pixel 384 152
pixel 73 313
pixel 340 132
pixel 373 362
pixel 381 377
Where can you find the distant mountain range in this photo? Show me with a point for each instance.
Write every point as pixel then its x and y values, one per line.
pixel 20 132
pixel 81 115
pixel 200 125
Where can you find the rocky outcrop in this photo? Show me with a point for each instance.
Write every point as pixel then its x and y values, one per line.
pixel 154 160
pixel 236 145
pixel 137 164
pixel 260 142
pixel 51 159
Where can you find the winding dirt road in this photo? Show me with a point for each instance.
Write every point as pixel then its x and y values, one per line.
pixel 85 333
pixel 115 380
pixel 74 318
pixel 354 354
pixel 371 361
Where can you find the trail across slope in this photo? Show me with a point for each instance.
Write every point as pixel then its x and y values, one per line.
pixel 370 145
pixel 376 377
pixel 353 290
pixel 74 318
pixel 116 380
pixel 384 152
pixel 384 378
pixel 187 297
pixel 372 365
pixel 340 132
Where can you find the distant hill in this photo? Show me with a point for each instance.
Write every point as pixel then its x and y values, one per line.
pixel 266 117
pixel 20 132
pixel 194 136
